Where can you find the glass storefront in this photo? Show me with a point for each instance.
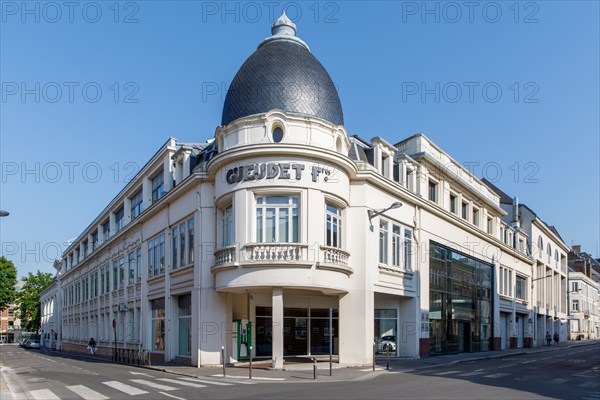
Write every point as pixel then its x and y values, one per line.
pixel 460 302
pixel 158 324
pixel 305 331
pixel 185 322
pixel 386 338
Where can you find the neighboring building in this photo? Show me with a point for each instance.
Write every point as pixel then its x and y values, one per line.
pixel 51 306
pixel 256 236
pixel 10 324
pixel 584 291
pixel 548 278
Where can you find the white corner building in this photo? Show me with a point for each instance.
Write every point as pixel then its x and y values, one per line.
pixel 285 236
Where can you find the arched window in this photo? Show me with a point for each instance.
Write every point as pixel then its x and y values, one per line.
pixel 540 246
pixel 549 250
pixel 556 255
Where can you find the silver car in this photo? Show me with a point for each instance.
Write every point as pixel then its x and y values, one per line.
pixel 33 344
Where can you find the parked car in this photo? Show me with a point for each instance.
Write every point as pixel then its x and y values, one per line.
pixel 23 342
pixel 33 344
pixel 388 343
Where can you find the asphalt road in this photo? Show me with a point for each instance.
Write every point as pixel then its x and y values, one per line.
pixel 562 374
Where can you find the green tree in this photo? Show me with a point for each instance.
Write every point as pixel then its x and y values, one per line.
pixel 8 280
pixel 28 300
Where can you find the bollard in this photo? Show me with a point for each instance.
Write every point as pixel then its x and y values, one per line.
pixel 250 369
pixel 314 368
pixel 374 352
pixel 387 363
pixel 223 358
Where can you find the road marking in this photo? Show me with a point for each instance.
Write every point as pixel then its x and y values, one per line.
pixel 257 378
pixel 558 380
pixel 446 373
pixel 153 385
pixel 43 394
pixel 86 392
pixel 139 373
pixel 170 395
pixel 472 373
pixel 125 388
pixel 527 362
pixel 589 384
pixel 545 358
pixel 370 369
pixel 495 376
pixel 208 382
pixel 508 366
pixel 183 383
pixel 524 378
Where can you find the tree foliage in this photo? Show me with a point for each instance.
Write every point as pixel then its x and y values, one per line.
pixel 8 280
pixel 28 300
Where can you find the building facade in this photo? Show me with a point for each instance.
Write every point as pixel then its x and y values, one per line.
pixel 285 236
pixel 584 292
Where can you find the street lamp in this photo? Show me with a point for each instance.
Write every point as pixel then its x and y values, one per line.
pixel 372 213
pixel 4 213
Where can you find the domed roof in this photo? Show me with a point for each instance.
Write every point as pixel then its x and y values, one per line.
pixel 282 74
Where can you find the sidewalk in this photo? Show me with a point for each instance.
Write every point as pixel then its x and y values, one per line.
pixel 303 372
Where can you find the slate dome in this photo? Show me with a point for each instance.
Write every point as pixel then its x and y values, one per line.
pixel 282 74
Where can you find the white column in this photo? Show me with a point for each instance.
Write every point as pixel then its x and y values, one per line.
pixel 277 328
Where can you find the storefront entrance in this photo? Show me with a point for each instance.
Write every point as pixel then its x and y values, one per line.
pixel 305 331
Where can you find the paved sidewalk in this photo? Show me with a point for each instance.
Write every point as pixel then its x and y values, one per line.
pixel 303 372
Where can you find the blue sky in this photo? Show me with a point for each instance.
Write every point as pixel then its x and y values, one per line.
pixel 90 90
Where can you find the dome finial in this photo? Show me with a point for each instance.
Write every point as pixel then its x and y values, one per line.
pixel 283 26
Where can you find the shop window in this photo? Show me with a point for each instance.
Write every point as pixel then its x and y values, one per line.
pixel 185 324
pixel 158 324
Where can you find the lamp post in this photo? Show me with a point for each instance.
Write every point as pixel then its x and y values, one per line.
pixel 372 213
pixel 535 308
pixel 4 213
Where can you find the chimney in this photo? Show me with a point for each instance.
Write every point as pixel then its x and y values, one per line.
pixel 576 248
pixel 515 221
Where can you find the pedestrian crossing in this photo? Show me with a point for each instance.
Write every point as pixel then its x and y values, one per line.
pixel 590 384
pixel 136 386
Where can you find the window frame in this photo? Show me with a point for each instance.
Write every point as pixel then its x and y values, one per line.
pixel 292 208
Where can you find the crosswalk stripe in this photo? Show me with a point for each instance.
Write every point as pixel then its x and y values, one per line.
pixel 153 385
pixel 208 382
pixel 258 378
pixel 589 384
pixel 125 388
pixel 472 373
pixel 558 381
pixel 43 394
pixel 494 376
pixel 445 373
pixel 182 383
pixel 87 393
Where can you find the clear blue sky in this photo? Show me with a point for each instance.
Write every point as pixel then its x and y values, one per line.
pixel 511 90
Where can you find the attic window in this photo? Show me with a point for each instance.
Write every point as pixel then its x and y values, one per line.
pixel 277 135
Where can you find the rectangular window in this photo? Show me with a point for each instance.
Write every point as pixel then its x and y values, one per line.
pixel 85 249
pixel 465 210
pixel 150 258
pixel 156 255
pixel 106 230
pixel 383 242
pixel 158 324
pixel 115 275
pixel 107 279
pixel 11 312
pixel 158 186
pixel 574 286
pixel 136 204
pixel 174 246
pixel 575 305
pixel 408 249
pixel 490 226
pixel 121 272
pixel 131 267
pixel 138 264
pixel 521 287
pixel 453 201
pixel 277 219
pixel 433 191
pixel 182 247
pixel 475 216
pixel 94 240
pixel 333 226
pixel 102 281
pixel 227 227
pixel 119 219
pixel 190 225
pixel 396 245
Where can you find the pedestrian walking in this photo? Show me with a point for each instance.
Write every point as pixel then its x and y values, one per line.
pixel 548 338
pixel 92 346
pixel 556 337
